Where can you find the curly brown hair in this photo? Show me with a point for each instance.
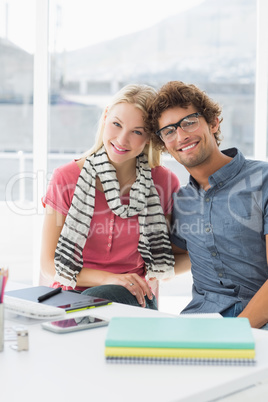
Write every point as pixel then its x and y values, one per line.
pixel 179 94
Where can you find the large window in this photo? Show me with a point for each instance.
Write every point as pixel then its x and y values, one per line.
pixel 17 39
pixel 210 43
pixel 92 51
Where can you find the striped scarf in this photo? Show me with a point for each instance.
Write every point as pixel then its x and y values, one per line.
pixel 154 245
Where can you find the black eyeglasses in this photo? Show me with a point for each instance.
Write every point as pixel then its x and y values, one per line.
pixel 188 124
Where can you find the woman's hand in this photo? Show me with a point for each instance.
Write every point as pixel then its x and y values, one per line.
pixel 134 284
pixel 87 277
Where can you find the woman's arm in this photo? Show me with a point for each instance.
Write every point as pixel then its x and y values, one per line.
pixel 53 223
pixel 52 227
pixel 182 259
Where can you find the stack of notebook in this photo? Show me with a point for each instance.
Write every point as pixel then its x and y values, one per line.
pixel 180 340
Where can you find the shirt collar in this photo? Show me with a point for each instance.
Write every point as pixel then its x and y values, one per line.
pixel 227 172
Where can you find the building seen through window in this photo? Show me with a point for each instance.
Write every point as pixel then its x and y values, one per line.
pixel 211 44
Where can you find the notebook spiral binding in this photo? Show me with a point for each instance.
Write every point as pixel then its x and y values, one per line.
pixel 181 361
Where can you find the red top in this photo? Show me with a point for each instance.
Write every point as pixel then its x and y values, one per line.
pixel 112 243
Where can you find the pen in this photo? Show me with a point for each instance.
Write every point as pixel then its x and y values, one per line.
pixel 49 294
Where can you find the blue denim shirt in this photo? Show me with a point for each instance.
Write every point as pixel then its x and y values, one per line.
pixel 224 230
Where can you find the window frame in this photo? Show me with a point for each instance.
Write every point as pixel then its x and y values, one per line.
pixel 41 109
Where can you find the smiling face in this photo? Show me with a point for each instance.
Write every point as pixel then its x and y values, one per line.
pixel 124 135
pixel 194 148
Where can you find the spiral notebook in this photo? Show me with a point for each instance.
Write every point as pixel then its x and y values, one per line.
pixel 180 340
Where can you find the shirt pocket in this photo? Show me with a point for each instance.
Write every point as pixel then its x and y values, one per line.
pixel 243 236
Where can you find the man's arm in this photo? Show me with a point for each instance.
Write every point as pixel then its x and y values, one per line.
pixel 257 309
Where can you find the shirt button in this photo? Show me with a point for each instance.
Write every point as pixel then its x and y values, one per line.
pixel 207 199
pixel 110 237
pixel 221 184
pixel 112 221
pixel 213 254
pixel 220 275
pixel 207 230
pixel 109 244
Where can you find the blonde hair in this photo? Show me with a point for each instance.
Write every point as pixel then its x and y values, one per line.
pixel 140 96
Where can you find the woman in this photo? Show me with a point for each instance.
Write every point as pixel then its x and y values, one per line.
pixel 104 227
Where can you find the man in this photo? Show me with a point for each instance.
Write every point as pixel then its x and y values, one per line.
pixel 221 216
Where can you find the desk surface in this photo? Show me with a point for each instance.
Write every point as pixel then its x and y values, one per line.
pixel 68 367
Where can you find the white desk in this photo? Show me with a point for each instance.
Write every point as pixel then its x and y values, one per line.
pixel 71 367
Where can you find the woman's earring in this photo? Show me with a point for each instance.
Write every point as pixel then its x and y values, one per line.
pixel 105 113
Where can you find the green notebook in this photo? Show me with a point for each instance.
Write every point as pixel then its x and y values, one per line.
pixel 216 340
pixel 169 332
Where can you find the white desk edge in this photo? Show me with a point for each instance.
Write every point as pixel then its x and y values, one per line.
pixel 70 366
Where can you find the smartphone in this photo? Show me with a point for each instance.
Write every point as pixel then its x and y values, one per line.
pixel 74 324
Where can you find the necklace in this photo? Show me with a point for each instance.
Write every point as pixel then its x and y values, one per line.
pixel 124 187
